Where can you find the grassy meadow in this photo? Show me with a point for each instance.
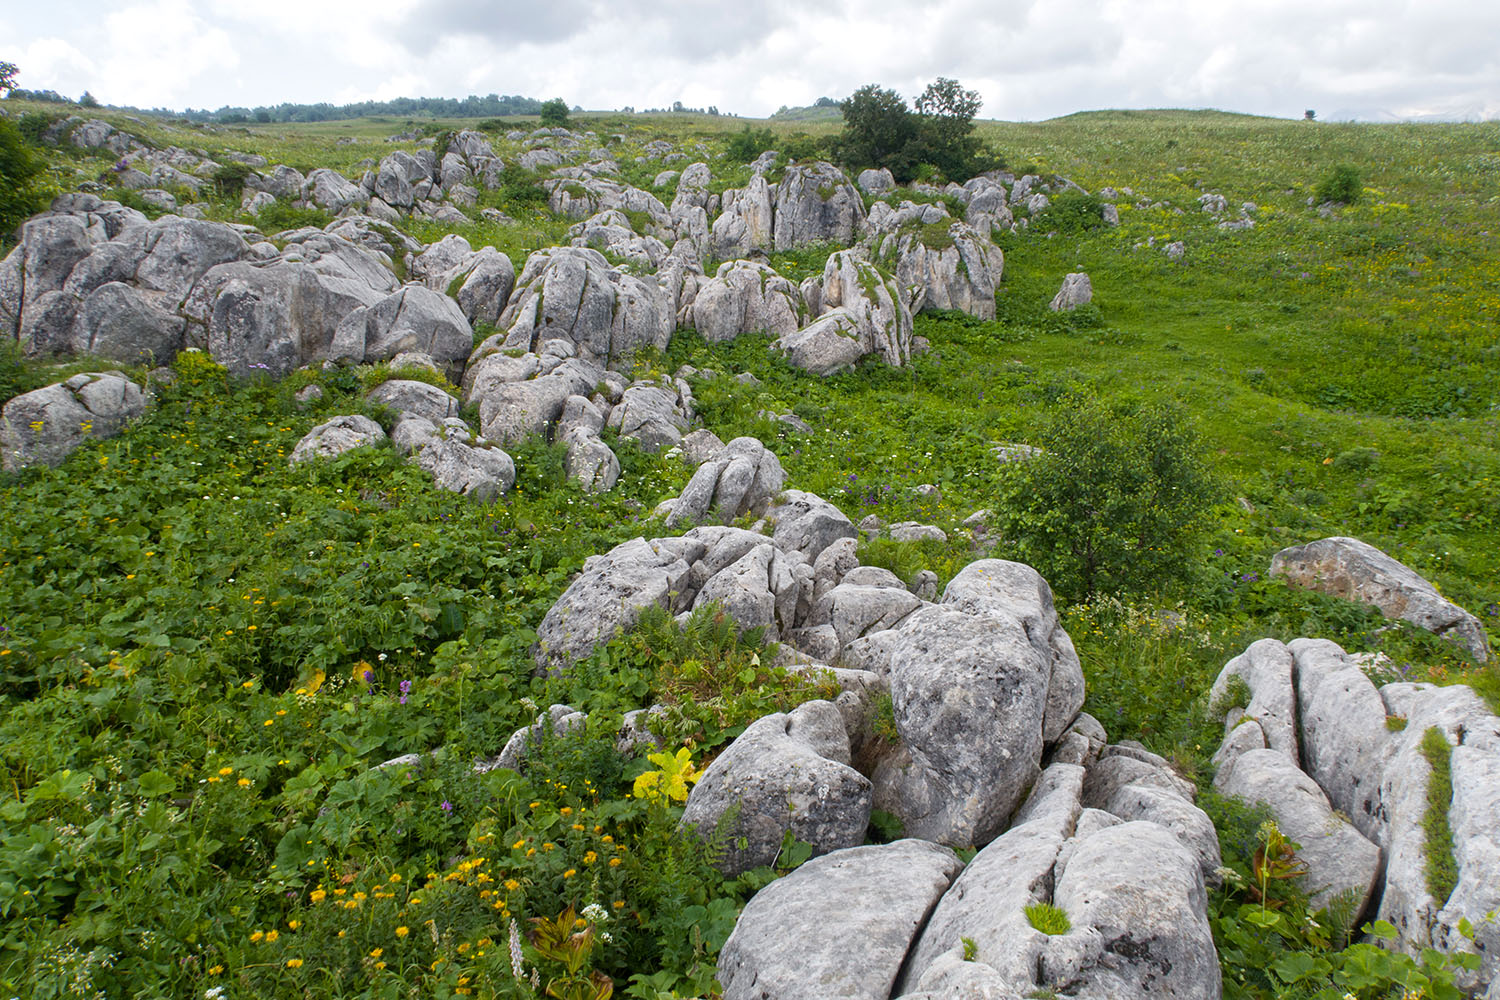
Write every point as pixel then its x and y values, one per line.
pixel 204 653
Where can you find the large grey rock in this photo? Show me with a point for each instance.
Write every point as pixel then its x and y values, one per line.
pixel 800 937
pixel 274 316
pixel 1138 907
pixel 46 425
pixel 414 319
pixel 334 437
pixel 472 468
pixel 816 203
pixel 652 413
pixel 409 398
pixel 746 221
pixel 1076 291
pixel 807 524
pixel 572 293
pixel 126 323
pixel 830 343
pixel 1339 860
pixel 177 252
pixel 1266 670
pixel 510 411
pixel 960 269
pixel 1019 591
pixel 969 692
pixel 609 595
pixel 786 772
pixel 742 478
pixel 745 297
pixel 758 590
pixel 876 181
pixel 988 901
pixel 1344 739
pixel 874 300
pixel 1358 571
pixel 854 610
pixel 330 190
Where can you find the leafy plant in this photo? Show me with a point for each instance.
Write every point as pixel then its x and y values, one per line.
pixel 554 113
pixel 20 171
pixel 1115 501
pixel 1049 919
pixel 1341 185
pixel 1437 845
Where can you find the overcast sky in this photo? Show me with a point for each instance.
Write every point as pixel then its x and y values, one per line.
pixel 1029 59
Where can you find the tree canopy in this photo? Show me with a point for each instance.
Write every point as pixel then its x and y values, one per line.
pixel 880 130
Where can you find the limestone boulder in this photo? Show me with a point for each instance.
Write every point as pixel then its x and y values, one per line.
pixel 815 203
pixel 1076 291
pixel 786 772
pixel 46 425
pixel 746 297
pixel 742 478
pixel 1357 571
pixel 335 437
pixel 800 938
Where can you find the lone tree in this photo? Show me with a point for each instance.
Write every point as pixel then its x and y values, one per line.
pixel 8 73
pixel 555 113
pixel 1116 501
pixel 881 131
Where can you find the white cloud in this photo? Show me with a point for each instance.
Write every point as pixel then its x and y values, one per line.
pixel 1029 58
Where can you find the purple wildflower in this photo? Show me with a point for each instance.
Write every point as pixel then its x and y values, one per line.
pixel 405 690
pixel 447 806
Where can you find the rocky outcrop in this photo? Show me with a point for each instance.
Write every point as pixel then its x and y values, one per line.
pixel 459 461
pixel 1358 571
pixel 334 437
pixel 1076 291
pixel 862 312
pixel 758 960
pixel 572 293
pixel 786 773
pixel 1340 764
pixel 46 425
pixel 942 265
pixel 741 478
pixel 815 203
pixel 745 297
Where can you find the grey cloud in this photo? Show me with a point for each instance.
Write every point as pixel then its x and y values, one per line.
pixel 501 22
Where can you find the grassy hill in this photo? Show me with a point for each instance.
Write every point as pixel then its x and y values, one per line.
pixel 204 652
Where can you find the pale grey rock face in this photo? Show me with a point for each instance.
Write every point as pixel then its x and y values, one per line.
pixel 828 344
pixel 51 246
pixel 412 319
pixel 510 411
pixel 1266 669
pixel 988 901
pixel 472 469
pixel 46 425
pixel 785 772
pixel 914 531
pixel 652 414
pixel 1137 903
pixel 741 478
pixel 126 323
pixel 807 524
pixel 419 399
pixel 816 203
pixel 609 594
pixel 1339 860
pixel 1019 591
pixel 745 297
pixel 1345 742
pixel 746 220
pixel 854 610
pixel 962 275
pixel 336 436
pixel 783 946
pixel 876 181
pixel 874 301
pixel 330 190
pixel 758 590
pixel 1076 291
pixel 573 293
pixel 1358 571
pixel 969 692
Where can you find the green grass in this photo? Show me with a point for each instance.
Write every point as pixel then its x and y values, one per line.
pixel 1050 920
pixel 1340 373
pixel 1437 844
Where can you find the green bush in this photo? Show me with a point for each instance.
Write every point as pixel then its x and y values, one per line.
pixel 1070 212
pixel 1341 184
pixel 554 113
pixel 20 167
pixel 1115 502
pixel 748 143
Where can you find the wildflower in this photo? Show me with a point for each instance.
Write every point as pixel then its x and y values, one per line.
pixel 516 968
pixel 447 806
pixel 225 772
pixel 294 924
pixel 294 963
pixel 614 862
pixel 570 873
pixel 213 992
pixel 379 965
pixel 405 690
pixel 216 970
pixel 590 858
pixel 318 895
pixel 244 782
pixel 256 936
pixel 395 876
pixel 272 936
pixel 377 953
pixel 512 885
pixel 402 931
pixel 518 844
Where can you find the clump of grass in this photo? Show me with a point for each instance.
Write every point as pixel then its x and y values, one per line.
pixel 1050 920
pixel 1395 723
pixel 1442 869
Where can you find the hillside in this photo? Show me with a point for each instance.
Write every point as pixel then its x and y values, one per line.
pixel 242 698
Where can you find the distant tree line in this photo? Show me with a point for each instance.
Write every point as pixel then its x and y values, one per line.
pixel 473 106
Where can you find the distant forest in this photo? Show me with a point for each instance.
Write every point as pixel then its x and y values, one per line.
pixel 473 106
